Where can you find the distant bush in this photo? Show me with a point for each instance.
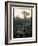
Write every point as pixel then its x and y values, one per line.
pixel 22 27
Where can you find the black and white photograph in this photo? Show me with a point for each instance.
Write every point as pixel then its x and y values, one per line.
pixel 22 26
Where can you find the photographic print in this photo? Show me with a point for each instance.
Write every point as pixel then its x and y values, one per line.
pixel 20 22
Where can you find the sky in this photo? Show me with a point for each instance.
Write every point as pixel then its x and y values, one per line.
pixel 18 12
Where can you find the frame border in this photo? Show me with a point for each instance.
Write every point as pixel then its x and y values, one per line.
pixel 6 21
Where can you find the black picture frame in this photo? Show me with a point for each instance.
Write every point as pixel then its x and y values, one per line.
pixel 7 21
